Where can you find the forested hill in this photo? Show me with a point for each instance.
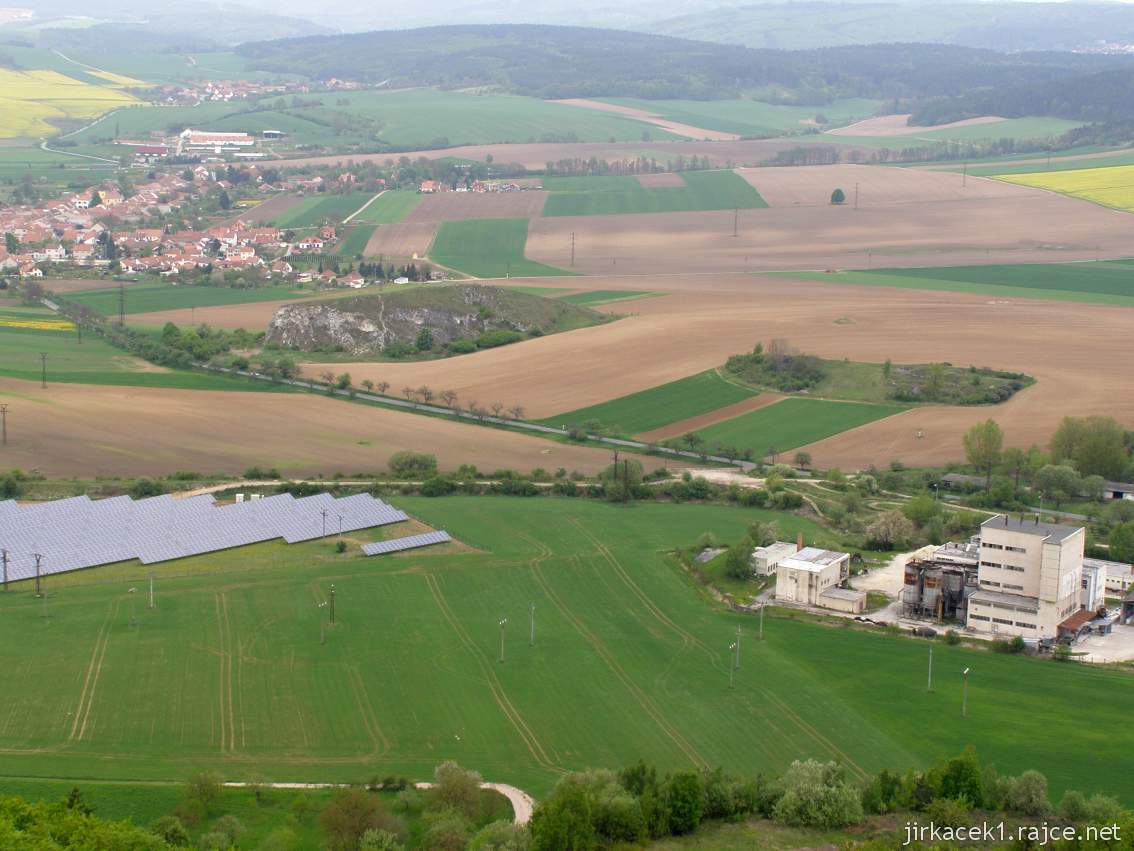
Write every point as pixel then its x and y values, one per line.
pixel 547 61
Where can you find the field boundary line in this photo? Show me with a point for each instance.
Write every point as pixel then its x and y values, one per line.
pixel 349 218
pixel 619 672
pixel 499 695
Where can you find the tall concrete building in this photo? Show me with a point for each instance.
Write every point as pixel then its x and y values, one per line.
pixel 1030 577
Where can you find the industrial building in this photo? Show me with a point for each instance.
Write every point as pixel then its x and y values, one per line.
pixel 812 577
pixel 765 559
pixel 1030 578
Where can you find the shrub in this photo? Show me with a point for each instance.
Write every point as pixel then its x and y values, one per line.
pixel 948 812
pixel 408 464
pixel 952 637
pixel 437 486
pixel 144 488
pixel 817 795
pixel 171 830
pixel 461 346
pixel 340 546
pixel 502 337
pixel 501 836
pixel 683 794
pixel 1026 795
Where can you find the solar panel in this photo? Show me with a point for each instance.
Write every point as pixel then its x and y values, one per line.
pixel 78 532
pixel 411 542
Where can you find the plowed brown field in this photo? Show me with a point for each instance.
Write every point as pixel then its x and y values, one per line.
pixel 455 206
pixel 404 239
pixel 664 180
pixel 75 430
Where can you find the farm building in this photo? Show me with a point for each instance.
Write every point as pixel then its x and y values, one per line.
pixel 765 559
pixel 811 574
pixel 1030 577
pixel 1118 490
pixel 206 140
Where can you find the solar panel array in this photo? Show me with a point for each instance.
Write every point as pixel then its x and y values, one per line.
pixel 380 548
pixel 70 534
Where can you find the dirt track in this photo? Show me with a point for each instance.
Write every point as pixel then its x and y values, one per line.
pixel 1017 228
pixel 75 430
pixel 726 413
pixel 1079 352
pixel 648 117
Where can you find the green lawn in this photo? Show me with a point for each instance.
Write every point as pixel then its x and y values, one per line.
pixel 1102 281
pixel 96 362
pixel 753 117
pixel 647 410
pixel 389 207
pixel 703 190
pixel 313 209
pixel 146 298
pixel 791 423
pixel 356 239
pixel 488 248
pixel 630 661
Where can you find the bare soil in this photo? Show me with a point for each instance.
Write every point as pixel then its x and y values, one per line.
pixel 1034 226
pixel 896 125
pixel 874 186
pixel 77 285
pixel 268 210
pixel 76 430
pixel 653 118
pixel 456 206
pixel 402 240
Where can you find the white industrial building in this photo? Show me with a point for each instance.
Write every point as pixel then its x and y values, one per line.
pixel 765 559
pixel 812 577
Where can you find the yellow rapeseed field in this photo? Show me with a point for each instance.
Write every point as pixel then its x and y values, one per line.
pixel 36 324
pixel 30 99
pixel 1111 186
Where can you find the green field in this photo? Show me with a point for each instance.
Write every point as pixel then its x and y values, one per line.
pixel 147 298
pixel 96 362
pixel 602 195
pixel 1100 281
pixel 314 209
pixel 659 406
pixel 228 672
pixel 594 297
pixel 488 248
pixel 1009 128
pixel 753 117
pixel 1065 162
pixel 355 241
pixel 792 423
pixel 389 207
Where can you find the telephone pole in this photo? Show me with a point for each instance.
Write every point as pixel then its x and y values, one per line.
pixel 503 623
pixel 929 685
pixel 38 559
pixel 3 423
pixel 731 664
pixel 965 175
pixel 43 361
pixel 856 196
pixel 738 647
pixel 572 248
pixel 121 303
pixel 332 602
pixel 324 513
pixel 4 561
pixel 736 221
pixel 151 590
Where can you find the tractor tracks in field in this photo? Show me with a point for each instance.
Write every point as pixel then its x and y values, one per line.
pixel 527 735
pixel 90 681
pixel 227 715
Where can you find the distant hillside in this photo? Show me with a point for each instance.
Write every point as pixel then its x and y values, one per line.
pixel 547 61
pixel 460 318
pixel 1012 26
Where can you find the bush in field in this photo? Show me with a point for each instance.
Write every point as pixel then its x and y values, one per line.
pixel 817 795
pixel 408 465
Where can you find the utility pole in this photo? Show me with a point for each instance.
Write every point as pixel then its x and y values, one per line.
pixel 503 623
pixel 38 558
pixel 738 647
pixel 531 638
pixel 151 590
pixel 332 602
pixel 572 248
pixel 324 513
pixel 4 423
pixel 340 527
pixel 43 361
pixel 736 221
pixel 965 693
pixel 4 561
pixel 731 665
pixel 965 174
pixel 856 196
pixel 762 621
pixel 929 685
pixel 121 303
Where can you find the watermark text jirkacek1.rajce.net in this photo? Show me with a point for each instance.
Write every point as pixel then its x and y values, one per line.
pixel 987 833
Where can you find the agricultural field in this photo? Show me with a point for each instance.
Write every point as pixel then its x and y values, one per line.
pixel 751 117
pixel 28 333
pixel 792 423
pixel 150 298
pixel 650 409
pixel 37 103
pixel 256 694
pixel 315 209
pixel 597 297
pixel 1097 282
pixel 1111 186
pixel 702 190
pixel 356 240
pixel 487 248
pixel 891 134
pixel 388 208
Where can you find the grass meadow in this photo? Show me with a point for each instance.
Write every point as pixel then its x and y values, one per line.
pixel 487 248
pixel 96 362
pixel 314 209
pixel 228 672
pixel 608 195
pixel 659 406
pixel 1110 186
pixel 148 298
pixel 388 208
pixel 1096 281
pixel 791 423
pixel 354 243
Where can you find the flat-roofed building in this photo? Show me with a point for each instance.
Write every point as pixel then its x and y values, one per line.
pixel 1030 577
pixel 1119 576
pixel 804 576
pixel 765 559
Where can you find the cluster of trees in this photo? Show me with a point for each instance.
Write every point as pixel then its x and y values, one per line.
pixel 781 367
pixel 383 272
pixel 580 167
